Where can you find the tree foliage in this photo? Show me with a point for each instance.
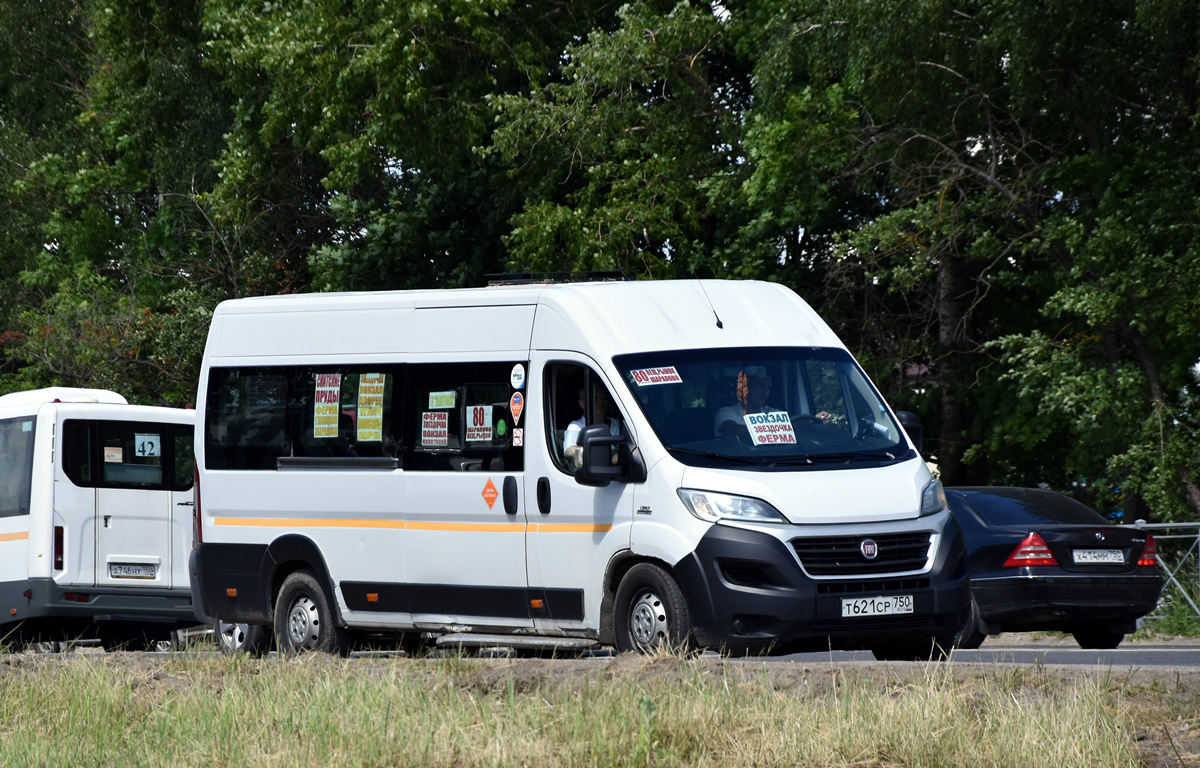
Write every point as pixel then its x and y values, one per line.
pixel 994 202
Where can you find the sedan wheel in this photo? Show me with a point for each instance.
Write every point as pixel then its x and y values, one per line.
pixel 1098 638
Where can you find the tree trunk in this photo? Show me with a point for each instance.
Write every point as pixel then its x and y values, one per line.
pixel 954 293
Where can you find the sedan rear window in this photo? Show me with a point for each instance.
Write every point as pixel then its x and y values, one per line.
pixel 1020 506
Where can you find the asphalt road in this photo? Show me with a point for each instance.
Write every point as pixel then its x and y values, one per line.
pixel 1183 652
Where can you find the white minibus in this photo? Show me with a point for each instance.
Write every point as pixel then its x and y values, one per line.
pixel 95 518
pixel 689 463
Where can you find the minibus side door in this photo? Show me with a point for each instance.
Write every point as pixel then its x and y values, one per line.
pixel 574 530
pixel 464 537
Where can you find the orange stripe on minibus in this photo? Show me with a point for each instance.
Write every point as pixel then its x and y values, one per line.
pixel 283 522
pixel 18 536
pixel 468 527
pixel 276 522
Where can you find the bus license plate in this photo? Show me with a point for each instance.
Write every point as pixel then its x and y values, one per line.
pixel 877 606
pixel 1092 556
pixel 130 571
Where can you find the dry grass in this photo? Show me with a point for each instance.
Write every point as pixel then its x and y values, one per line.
pixel 130 710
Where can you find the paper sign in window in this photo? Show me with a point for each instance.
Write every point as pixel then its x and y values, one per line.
pixel 770 428
pixel 435 429
pixel 114 455
pixel 442 399
pixel 370 407
pixel 479 424
pixel 147 445
pixel 645 377
pixel 327 404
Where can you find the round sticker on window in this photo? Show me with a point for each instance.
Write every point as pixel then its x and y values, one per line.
pixel 501 427
pixel 518 376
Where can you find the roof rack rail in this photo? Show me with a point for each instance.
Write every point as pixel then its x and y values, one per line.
pixel 527 278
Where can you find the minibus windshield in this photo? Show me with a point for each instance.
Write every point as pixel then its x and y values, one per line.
pixel 764 407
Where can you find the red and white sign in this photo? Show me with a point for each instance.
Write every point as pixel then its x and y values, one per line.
pixel 327 404
pixel 645 377
pixel 370 407
pixel 489 493
pixel 516 404
pixel 770 428
pixel 518 437
pixel 479 424
pixel 435 429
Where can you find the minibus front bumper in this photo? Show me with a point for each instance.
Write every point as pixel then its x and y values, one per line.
pixel 746 590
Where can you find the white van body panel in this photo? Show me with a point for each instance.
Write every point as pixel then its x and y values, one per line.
pixel 814 498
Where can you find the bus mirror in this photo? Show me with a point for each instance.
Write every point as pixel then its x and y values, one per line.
pixel 911 423
pixel 600 452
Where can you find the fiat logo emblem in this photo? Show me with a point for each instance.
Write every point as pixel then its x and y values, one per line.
pixel 869 548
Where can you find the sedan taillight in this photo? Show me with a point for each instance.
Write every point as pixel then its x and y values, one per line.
pixel 1031 551
pixel 1150 553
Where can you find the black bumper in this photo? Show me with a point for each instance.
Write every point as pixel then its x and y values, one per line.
pixel 1033 601
pixel 746 590
pixel 81 610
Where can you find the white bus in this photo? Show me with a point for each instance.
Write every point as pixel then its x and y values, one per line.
pixel 95 518
pixel 616 463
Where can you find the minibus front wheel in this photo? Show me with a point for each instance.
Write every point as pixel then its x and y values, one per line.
pixel 304 618
pixel 651 612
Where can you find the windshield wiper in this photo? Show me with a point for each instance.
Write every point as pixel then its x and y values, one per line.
pixel 810 458
pixel 712 455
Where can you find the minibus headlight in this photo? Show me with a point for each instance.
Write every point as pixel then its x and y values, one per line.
pixel 933 500
pixel 711 507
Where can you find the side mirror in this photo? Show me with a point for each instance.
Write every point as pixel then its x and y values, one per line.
pixel 911 423
pixel 600 450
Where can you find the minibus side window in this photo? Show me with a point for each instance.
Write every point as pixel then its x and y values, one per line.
pixel 346 412
pixel 458 417
pixel 16 465
pixel 77 452
pixel 246 418
pixel 576 396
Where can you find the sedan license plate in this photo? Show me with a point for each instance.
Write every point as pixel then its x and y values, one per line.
pixel 1098 557
pixel 131 571
pixel 877 606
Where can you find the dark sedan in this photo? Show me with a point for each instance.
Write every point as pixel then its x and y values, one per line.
pixel 1040 560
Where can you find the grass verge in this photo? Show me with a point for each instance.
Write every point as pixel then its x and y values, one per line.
pixel 131 710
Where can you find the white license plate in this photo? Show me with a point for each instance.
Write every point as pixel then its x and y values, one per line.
pixel 877 606
pixel 131 571
pixel 1094 556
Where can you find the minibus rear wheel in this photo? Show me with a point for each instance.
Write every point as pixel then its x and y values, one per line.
pixel 651 612
pixel 304 618
pixel 252 639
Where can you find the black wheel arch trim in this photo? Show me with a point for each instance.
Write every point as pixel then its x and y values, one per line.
pixel 293 548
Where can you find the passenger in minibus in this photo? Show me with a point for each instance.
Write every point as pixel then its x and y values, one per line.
pixel 753 389
pixel 601 410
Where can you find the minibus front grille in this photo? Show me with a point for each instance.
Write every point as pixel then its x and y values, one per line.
pixel 843 555
pixel 879 586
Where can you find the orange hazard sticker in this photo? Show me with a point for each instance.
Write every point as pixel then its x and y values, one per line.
pixel 489 493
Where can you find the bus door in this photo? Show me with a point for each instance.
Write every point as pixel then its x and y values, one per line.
pixel 134 505
pixel 464 537
pixel 573 530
